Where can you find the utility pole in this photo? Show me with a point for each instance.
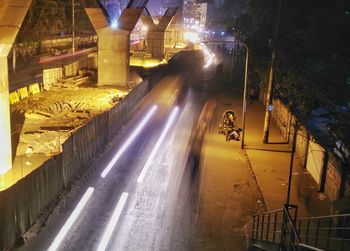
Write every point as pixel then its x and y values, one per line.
pixel 235 49
pixel 73 26
pixel 268 103
pixel 244 94
pixel 238 36
pixel 14 59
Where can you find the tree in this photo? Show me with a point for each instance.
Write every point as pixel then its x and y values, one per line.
pixel 313 58
pixel 47 18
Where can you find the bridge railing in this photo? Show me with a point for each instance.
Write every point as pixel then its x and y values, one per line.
pixel 280 227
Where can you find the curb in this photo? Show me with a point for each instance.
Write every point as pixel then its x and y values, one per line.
pixel 256 181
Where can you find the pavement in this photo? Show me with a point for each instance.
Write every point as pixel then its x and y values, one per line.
pixel 236 183
pixel 171 209
pixel 229 194
pixel 271 162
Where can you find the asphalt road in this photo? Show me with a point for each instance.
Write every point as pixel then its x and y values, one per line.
pixel 33 73
pixel 157 192
pixel 156 213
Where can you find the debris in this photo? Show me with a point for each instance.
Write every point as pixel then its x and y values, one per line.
pixel 44 121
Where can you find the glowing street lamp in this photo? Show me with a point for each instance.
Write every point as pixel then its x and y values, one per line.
pixel 114 24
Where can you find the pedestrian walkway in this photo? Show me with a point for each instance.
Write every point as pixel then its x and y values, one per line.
pixel 270 163
pixel 229 194
pixel 237 183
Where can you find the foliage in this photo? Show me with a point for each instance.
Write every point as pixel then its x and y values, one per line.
pixel 46 18
pixel 310 37
pixel 313 54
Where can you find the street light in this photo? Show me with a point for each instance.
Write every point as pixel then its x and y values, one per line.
pixel 244 90
pixel 244 93
pixel 73 27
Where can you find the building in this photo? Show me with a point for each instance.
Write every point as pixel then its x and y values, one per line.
pixel 195 14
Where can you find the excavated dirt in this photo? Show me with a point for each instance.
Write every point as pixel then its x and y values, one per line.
pixel 44 121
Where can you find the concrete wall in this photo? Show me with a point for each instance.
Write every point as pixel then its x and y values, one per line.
pixel 155 43
pixel 22 204
pixel 325 171
pixel 333 178
pixel 51 75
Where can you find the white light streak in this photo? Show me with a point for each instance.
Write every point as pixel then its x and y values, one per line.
pixel 192 36
pixel 159 142
pixel 72 218
pixel 209 56
pixel 129 141
pixel 112 222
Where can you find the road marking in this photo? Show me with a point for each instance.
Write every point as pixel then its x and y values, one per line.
pixel 158 144
pixel 72 218
pixel 112 222
pixel 128 142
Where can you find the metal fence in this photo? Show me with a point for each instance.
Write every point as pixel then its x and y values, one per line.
pixel 328 232
pixel 22 204
pixel 281 227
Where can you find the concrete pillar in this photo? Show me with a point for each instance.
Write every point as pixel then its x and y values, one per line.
pixel 155 43
pixel 5 127
pixel 156 32
pixel 113 57
pixel 114 45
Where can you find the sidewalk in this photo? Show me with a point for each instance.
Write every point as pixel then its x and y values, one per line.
pixel 270 163
pixel 229 194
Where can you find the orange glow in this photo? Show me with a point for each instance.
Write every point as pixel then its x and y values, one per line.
pixel 147 63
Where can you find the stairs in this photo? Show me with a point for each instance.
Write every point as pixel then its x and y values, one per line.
pixel 263 246
pixel 281 230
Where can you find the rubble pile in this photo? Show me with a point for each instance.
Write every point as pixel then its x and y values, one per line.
pixel 44 121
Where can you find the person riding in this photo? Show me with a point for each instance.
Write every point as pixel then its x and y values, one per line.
pixel 229 119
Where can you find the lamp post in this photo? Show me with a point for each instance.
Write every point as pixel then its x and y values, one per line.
pixel 73 27
pixel 244 93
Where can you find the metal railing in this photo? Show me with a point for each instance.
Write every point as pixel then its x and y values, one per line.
pixel 327 232
pixel 268 226
pixel 279 227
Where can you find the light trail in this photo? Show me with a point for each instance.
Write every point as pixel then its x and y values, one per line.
pixel 112 222
pixel 72 218
pixel 158 144
pixel 47 60
pixel 209 56
pixel 129 141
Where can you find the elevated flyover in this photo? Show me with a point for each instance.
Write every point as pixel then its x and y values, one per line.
pixel 114 42
pixel 156 32
pixel 9 28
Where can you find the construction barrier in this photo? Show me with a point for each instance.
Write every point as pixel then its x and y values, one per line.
pixel 23 92
pixel 50 76
pixel 14 98
pixel 22 204
pixel 34 89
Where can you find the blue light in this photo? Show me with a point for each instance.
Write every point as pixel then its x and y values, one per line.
pixel 223 33
pixel 114 24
